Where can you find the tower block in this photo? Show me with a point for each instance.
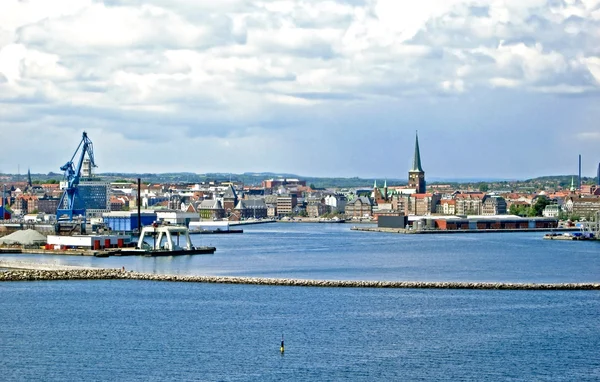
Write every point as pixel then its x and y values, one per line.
pixel 416 176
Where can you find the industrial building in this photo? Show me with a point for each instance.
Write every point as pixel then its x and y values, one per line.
pixel 127 221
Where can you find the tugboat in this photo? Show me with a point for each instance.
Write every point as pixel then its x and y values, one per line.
pixel 164 241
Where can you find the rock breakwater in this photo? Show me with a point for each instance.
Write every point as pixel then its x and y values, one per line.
pixel 112 274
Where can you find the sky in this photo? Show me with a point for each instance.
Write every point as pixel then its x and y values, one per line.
pixel 495 89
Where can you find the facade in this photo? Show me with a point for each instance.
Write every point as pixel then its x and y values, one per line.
pixel 582 205
pixel 286 204
pixel 251 208
pixel 446 207
pixel 469 203
pixel 230 200
pixel 211 209
pixel 127 221
pixel 494 223
pixel 316 207
pixel 493 205
pixel 336 202
pixel 48 205
pixel 360 207
pixel 423 204
pixel 94 197
pixel 271 210
pixel 416 176
pixel 551 211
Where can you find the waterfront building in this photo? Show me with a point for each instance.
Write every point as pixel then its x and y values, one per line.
pixel 551 211
pixel 230 200
pixel 286 204
pixel 582 205
pixel 251 208
pixel 423 203
pixel 315 206
pixel 470 203
pixel 494 222
pixel 211 209
pixel 493 205
pixel 336 202
pixel 127 221
pixel 271 210
pixel 360 207
pixel 446 207
pixel 416 175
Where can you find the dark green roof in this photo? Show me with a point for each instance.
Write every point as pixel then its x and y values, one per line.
pixel 417 159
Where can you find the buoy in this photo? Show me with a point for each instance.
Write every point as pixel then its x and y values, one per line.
pixel 282 348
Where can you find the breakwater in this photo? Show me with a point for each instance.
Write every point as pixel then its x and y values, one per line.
pixel 112 274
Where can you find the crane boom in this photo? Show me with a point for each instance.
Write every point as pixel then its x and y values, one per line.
pixel 72 174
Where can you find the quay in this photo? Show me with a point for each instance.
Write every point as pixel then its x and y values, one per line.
pixel 61 272
pixel 451 231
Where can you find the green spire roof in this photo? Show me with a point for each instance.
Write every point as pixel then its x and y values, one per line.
pixel 417 159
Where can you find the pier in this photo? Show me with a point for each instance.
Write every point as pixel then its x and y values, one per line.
pixel 39 272
pixel 451 231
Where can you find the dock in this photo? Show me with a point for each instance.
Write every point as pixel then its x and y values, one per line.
pixel 457 231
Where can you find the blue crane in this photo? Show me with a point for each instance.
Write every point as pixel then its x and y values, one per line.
pixel 67 207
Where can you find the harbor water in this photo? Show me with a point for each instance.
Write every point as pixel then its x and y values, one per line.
pixel 142 330
pixel 334 252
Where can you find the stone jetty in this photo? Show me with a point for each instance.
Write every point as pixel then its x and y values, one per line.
pixel 119 274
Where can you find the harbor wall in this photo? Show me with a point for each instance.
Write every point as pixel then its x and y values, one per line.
pixel 119 274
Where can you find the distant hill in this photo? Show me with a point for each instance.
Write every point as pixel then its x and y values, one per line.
pixel 256 178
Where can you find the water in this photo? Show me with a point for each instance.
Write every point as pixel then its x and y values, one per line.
pixel 333 251
pixel 152 331
pixel 136 330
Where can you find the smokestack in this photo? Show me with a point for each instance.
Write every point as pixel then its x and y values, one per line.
pixel 579 180
pixel 139 205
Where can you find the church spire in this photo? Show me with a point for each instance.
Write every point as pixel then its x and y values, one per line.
pixel 29 183
pixel 417 159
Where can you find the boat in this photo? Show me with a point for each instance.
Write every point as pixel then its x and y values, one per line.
pixel 164 240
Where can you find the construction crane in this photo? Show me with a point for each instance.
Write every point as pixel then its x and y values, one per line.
pixel 68 206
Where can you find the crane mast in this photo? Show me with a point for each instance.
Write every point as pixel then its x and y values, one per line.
pixel 67 207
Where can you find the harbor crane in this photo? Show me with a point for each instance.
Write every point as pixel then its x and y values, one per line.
pixel 70 206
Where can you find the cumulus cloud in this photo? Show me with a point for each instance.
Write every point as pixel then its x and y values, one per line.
pixel 251 71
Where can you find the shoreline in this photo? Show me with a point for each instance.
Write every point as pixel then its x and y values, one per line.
pixel 404 231
pixel 49 272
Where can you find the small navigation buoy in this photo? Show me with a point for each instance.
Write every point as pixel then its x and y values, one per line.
pixel 282 348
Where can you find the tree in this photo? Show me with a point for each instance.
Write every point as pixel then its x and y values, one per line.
pixel 537 208
pixel 484 187
pixel 519 210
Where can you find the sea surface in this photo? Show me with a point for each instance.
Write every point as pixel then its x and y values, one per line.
pixel 333 251
pixel 130 330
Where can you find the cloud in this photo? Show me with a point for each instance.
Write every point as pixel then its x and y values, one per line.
pixel 237 73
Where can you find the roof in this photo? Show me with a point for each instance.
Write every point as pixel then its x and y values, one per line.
pixel 230 193
pixel 417 158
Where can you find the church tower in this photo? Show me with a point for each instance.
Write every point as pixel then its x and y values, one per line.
pixel 416 176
